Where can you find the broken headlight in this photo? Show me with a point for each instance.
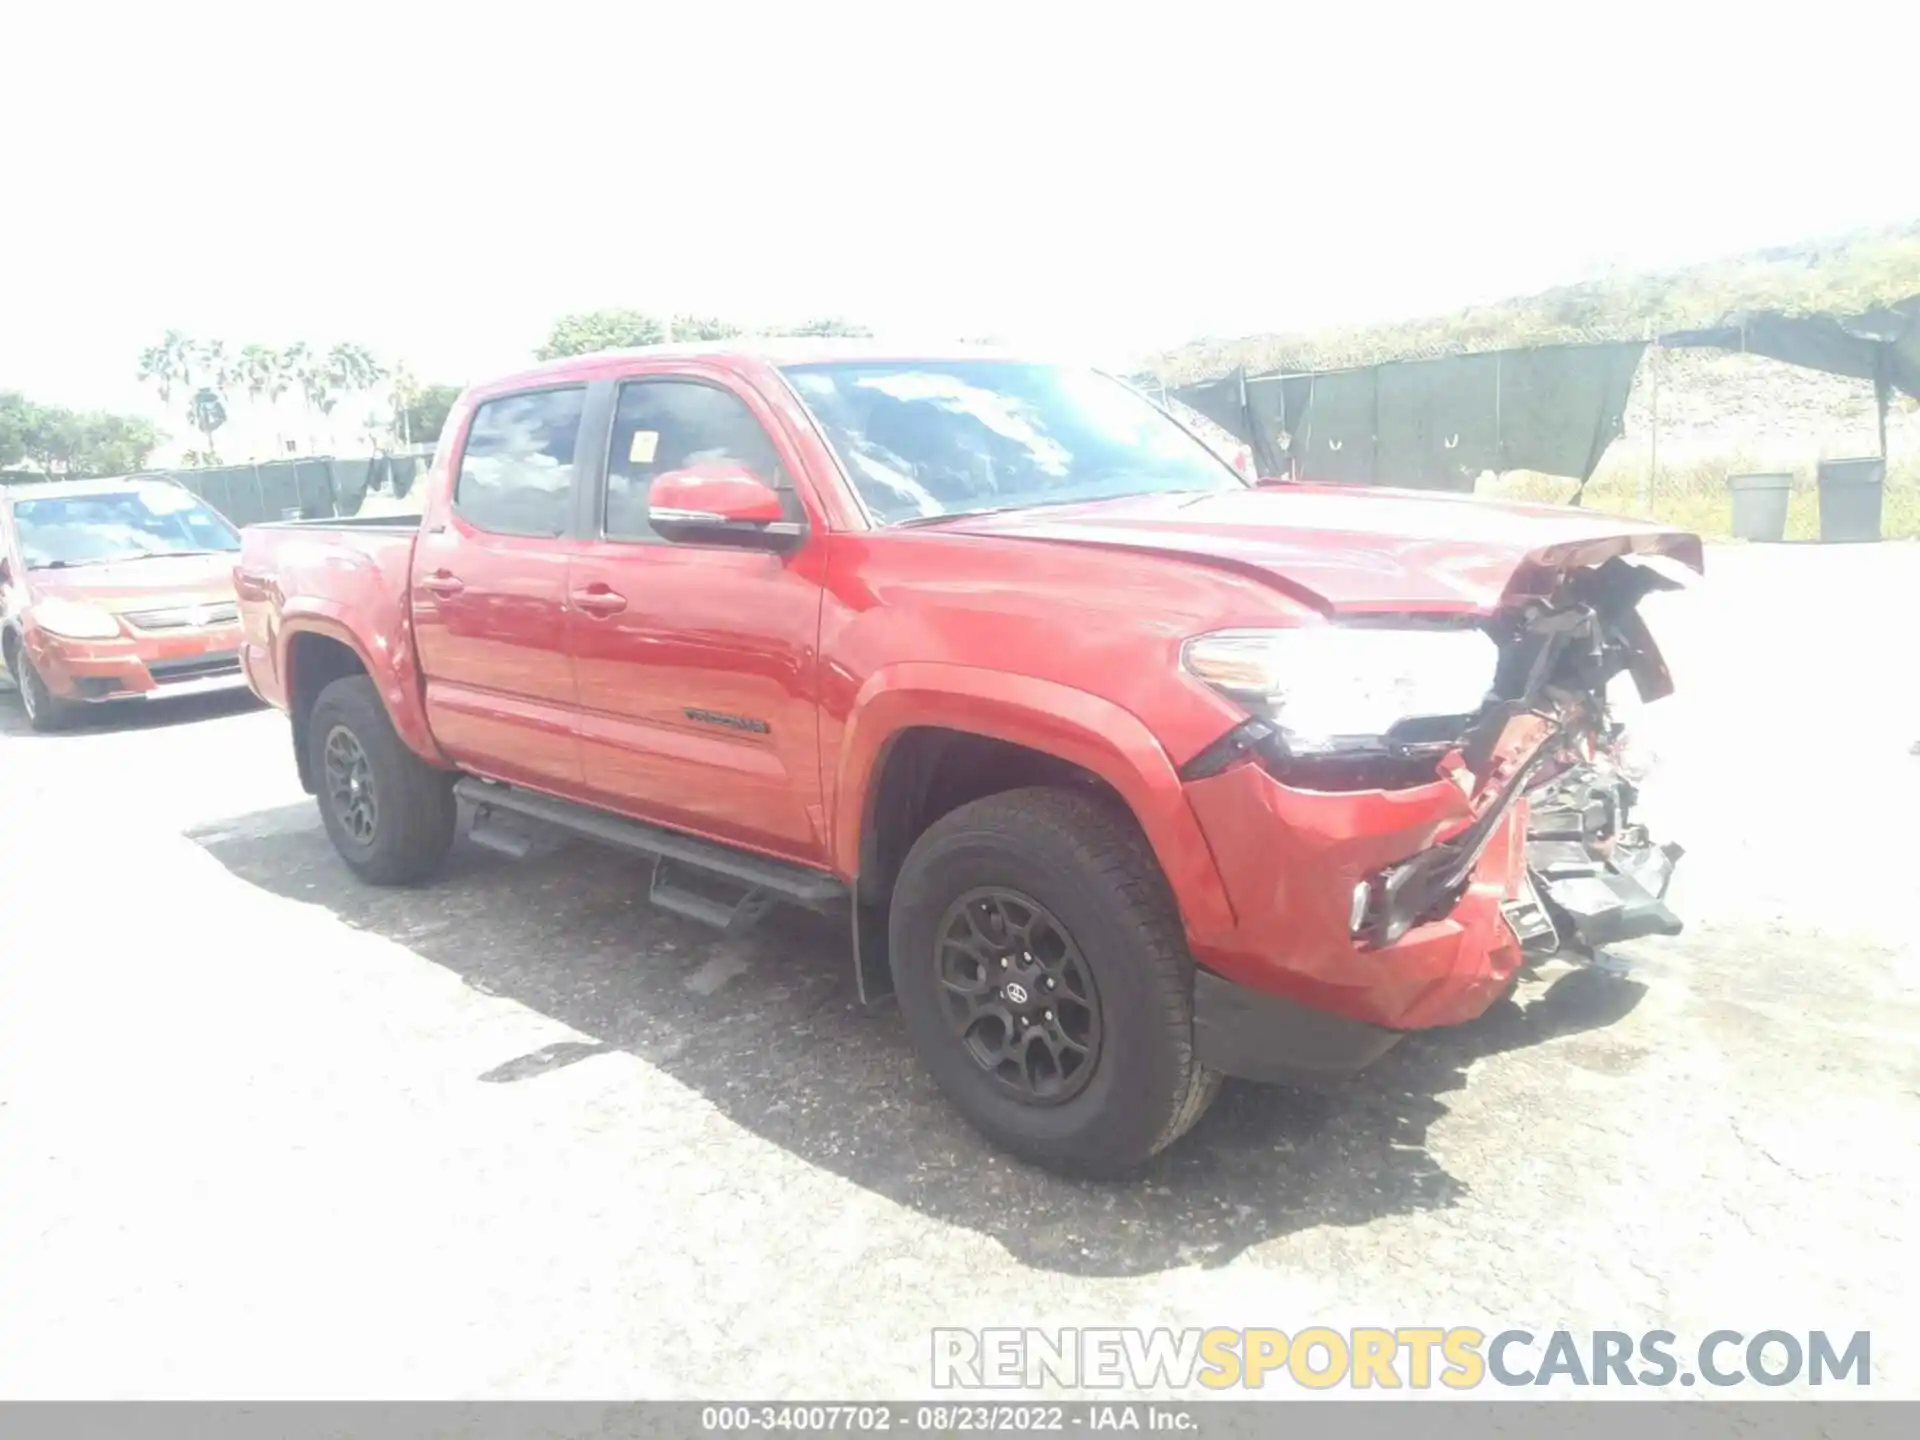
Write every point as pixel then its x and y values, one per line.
pixel 1338 688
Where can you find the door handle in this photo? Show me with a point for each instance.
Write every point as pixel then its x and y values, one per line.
pixel 599 600
pixel 441 583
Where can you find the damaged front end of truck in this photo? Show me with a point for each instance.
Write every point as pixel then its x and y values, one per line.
pixel 1508 703
pixel 1547 742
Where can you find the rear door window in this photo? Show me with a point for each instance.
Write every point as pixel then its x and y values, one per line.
pixel 517 471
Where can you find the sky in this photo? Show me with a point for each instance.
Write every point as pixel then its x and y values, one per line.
pixel 439 182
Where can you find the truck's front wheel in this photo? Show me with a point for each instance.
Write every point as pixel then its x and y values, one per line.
pixel 389 813
pixel 1045 981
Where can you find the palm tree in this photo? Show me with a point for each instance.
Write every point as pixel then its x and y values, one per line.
pixel 317 388
pixel 258 371
pixel 169 365
pixel 405 391
pixel 295 358
pixel 257 367
pixel 350 370
pixel 209 357
pixel 182 366
pixel 216 372
pixel 300 370
pixel 353 369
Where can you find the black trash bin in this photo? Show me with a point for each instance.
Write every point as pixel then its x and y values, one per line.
pixel 1850 494
pixel 1760 506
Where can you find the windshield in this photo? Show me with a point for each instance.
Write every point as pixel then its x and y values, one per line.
pixel 119 525
pixel 926 439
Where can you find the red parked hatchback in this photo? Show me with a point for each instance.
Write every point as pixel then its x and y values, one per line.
pixel 117 589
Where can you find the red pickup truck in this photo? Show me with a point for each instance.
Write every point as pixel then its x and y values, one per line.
pixel 1128 774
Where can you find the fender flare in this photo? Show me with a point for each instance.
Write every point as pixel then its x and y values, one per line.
pixel 396 680
pixel 1072 725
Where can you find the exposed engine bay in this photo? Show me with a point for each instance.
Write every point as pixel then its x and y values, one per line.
pixel 1546 738
pixel 1543 736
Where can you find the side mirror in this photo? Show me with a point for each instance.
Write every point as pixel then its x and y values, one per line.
pixel 720 504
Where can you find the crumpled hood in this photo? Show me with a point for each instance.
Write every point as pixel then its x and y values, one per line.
pixel 120 586
pixel 1349 550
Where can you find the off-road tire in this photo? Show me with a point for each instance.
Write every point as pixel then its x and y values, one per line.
pixel 1082 857
pixel 45 711
pixel 416 811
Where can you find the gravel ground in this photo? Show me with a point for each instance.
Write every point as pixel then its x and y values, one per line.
pixel 266 1132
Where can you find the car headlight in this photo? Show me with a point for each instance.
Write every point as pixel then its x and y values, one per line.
pixel 75 620
pixel 1335 687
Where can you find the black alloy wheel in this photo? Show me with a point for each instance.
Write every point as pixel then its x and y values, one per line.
pixel 1019 994
pixel 1044 978
pixel 389 813
pixel 349 783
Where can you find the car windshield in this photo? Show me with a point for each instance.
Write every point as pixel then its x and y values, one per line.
pixel 130 524
pixel 922 440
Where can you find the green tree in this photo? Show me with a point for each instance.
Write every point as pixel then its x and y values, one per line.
pixel 831 325
pixel 588 331
pixel 420 413
pixel 16 415
pixel 308 374
pixel 216 379
pixel 351 369
pixel 169 366
pixel 259 373
pixel 216 371
pixel 183 368
pixel 69 444
pixel 52 441
pixel 702 327
pixel 116 444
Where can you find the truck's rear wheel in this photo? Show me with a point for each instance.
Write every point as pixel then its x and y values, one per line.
pixel 1045 981
pixel 389 813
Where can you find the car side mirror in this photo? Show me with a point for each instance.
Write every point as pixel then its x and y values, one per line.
pixel 720 505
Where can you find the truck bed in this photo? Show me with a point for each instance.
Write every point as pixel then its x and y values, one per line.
pixel 359 567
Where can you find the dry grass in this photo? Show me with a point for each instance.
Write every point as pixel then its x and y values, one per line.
pixel 1693 494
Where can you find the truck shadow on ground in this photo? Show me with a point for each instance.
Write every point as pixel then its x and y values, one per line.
pixel 766 1028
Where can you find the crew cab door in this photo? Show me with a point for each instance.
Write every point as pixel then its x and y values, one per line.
pixel 489 590
pixel 696 662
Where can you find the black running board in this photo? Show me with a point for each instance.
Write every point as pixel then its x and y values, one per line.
pixel 759 875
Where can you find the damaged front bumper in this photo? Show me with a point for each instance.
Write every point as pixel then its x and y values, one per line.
pixel 1553 867
pixel 1593 876
pixel 1404 887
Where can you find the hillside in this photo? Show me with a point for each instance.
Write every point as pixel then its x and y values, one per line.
pixel 1719 413
pixel 1839 276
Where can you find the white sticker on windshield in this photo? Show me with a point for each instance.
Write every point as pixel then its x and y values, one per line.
pixel 645 444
